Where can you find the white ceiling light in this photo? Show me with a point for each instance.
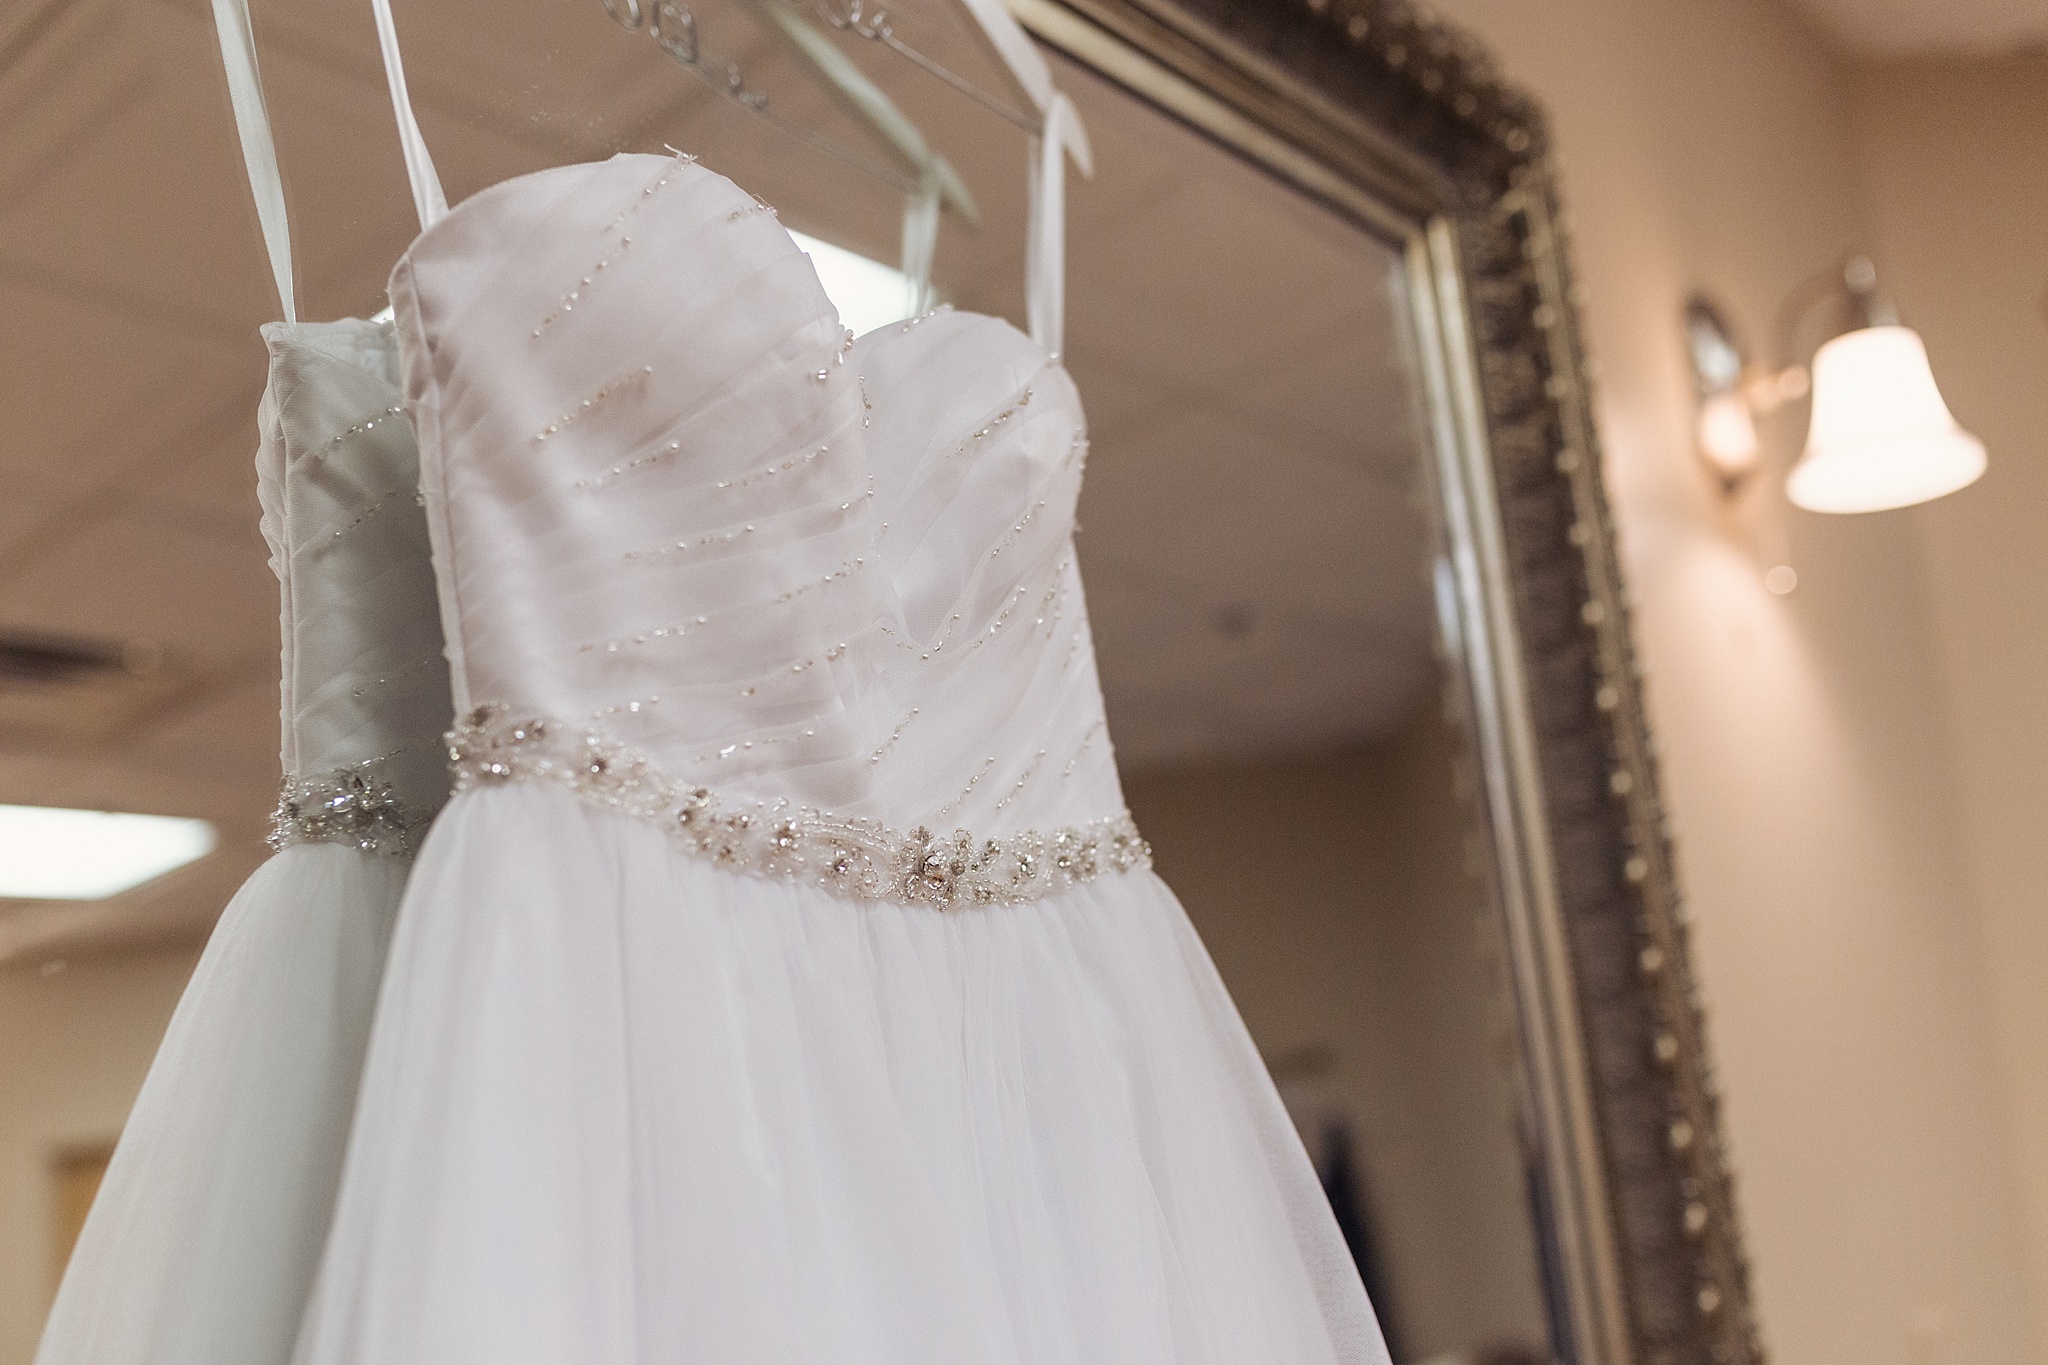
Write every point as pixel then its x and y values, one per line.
pixel 867 293
pixel 47 853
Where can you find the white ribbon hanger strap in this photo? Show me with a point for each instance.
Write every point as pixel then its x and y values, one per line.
pixel 1045 282
pixel 427 196
pixel 259 151
pixel 921 239
pixel 1025 62
pixel 1028 66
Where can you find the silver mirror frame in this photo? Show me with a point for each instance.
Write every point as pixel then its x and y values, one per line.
pixel 1401 122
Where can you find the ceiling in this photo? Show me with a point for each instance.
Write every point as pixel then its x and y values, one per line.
pixel 1903 28
pixel 1252 539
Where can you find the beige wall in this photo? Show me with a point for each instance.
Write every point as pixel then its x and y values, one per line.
pixel 1331 893
pixel 1954 160
pixel 1712 145
pixel 76 1045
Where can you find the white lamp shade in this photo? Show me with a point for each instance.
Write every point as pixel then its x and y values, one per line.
pixel 1881 437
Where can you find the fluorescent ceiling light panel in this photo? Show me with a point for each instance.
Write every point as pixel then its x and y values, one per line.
pixel 47 853
pixel 867 293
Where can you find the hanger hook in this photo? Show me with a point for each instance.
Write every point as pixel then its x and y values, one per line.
pixel 852 16
pixel 675 28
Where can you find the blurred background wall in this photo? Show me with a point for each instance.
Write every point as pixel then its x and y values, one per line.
pixel 1856 771
pixel 1953 156
pixel 75 1040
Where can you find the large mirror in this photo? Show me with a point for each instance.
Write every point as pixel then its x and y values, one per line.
pixel 1349 572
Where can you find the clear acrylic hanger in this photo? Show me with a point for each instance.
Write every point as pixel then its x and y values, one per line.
pixel 1006 38
pixel 854 16
pixel 1055 134
pixel 673 26
pixel 865 100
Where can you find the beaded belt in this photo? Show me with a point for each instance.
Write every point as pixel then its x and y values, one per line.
pixel 351 805
pixel 861 859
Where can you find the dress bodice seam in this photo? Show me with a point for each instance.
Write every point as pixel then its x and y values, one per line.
pixel 425 412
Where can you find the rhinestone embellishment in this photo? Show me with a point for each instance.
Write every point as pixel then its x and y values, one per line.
pixel 342 806
pixel 847 856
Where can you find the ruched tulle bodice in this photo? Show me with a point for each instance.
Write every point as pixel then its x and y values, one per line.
pixel 676 503
pixel 364 683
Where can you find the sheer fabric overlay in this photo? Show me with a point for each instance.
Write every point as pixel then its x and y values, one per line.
pixel 624 1106
pixel 202 1243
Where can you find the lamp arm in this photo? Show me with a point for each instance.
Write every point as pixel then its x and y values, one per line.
pixel 1853 284
pixel 1853 287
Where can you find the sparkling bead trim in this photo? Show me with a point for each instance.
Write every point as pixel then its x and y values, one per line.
pixel 343 806
pixel 611 389
pixel 856 858
pixel 374 419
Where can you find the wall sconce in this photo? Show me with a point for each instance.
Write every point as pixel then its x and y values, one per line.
pixel 1880 435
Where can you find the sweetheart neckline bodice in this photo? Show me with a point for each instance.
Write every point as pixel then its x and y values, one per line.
pixel 674 501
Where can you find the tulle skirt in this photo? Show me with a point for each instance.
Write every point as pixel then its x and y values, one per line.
pixel 206 1234
pixel 625 1108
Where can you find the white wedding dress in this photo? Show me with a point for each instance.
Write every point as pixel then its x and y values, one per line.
pixel 206 1233
pixel 694 1045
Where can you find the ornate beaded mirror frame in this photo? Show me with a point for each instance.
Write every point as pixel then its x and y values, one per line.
pixel 1402 124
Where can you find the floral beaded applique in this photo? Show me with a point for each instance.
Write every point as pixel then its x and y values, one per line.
pixel 343 806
